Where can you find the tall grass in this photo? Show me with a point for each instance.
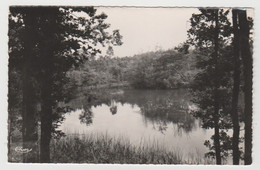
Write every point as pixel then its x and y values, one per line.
pixel 100 148
pixel 103 149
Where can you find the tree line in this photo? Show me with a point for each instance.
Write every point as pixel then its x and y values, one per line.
pixel 166 69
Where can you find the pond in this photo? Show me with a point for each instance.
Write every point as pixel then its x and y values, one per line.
pixel 141 116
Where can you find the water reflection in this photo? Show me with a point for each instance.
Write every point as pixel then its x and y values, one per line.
pixel 86 116
pixel 159 107
pixel 113 108
pixel 139 115
pixel 164 107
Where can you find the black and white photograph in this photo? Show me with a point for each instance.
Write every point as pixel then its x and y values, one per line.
pixel 130 85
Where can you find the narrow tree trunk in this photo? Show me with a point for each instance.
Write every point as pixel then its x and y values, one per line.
pixel 29 122
pixel 248 76
pixel 47 52
pixel 216 136
pixel 235 93
pixel 29 96
pixel 46 119
pixel 216 98
pixel 47 102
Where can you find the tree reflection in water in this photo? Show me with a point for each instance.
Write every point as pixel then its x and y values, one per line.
pixel 165 107
pixel 86 116
pixel 113 108
pixel 160 107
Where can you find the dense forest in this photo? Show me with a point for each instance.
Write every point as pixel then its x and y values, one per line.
pixel 153 70
pixel 54 57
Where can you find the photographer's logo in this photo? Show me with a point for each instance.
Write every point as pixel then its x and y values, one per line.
pixel 22 150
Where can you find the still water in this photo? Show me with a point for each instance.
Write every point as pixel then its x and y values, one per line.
pixel 142 117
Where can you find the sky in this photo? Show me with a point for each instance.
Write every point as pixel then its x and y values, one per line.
pixel 148 29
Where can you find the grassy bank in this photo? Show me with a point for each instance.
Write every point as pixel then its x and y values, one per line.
pixel 102 149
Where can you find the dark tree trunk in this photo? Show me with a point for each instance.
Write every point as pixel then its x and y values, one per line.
pixel 46 119
pixel 47 46
pixel 216 136
pixel 29 97
pixel 29 119
pixel 248 76
pixel 235 93
pixel 216 94
pixel 46 100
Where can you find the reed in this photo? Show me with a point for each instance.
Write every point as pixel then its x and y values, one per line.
pixel 103 149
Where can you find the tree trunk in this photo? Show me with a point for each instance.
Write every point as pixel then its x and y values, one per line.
pixel 248 76
pixel 235 93
pixel 47 54
pixel 216 136
pixel 46 120
pixel 47 102
pixel 216 95
pixel 29 97
pixel 29 119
